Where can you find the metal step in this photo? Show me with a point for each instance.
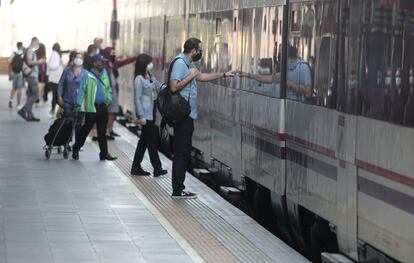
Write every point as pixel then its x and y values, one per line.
pixel 203 174
pixel 230 191
pixel 334 258
pixel 131 125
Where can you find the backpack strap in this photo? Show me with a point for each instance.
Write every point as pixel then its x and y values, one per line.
pixel 100 80
pixel 170 72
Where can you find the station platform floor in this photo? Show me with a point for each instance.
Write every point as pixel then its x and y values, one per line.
pixel 61 210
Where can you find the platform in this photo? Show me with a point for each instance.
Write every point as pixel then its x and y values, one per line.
pixel 91 211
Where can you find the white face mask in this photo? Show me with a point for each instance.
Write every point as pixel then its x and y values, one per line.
pixel 78 62
pixel 411 80
pixel 352 83
pixel 150 67
pixel 388 81
pixel 398 81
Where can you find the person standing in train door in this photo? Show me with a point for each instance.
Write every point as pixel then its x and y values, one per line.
pixel 409 106
pixel 386 99
pixel 398 100
pixel 184 77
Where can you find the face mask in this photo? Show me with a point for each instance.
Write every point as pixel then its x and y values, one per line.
pixel 352 83
pixel 411 80
pixel 112 57
pixel 398 81
pixel 197 56
pixel 78 62
pixel 388 81
pixel 150 66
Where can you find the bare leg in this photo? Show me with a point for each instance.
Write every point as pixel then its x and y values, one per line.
pixel 41 90
pixel 12 93
pixel 19 96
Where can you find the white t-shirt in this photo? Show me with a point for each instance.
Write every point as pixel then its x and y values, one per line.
pixel 54 67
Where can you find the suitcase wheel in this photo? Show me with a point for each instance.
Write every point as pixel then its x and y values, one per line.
pixel 47 154
pixel 65 154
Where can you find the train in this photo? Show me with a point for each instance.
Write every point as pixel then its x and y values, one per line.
pixel 331 169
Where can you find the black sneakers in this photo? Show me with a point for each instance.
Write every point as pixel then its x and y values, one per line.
pixel 159 172
pixel 75 155
pixel 22 114
pixel 139 172
pixel 114 134
pixel 184 195
pixel 10 104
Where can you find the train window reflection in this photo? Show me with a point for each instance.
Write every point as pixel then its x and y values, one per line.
pixel 312 53
pixel 261 51
pixel 382 86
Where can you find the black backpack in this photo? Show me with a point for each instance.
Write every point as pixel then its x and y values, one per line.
pixel 173 107
pixel 17 63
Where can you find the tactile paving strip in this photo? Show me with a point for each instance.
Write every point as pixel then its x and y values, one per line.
pixel 184 223
pixel 210 235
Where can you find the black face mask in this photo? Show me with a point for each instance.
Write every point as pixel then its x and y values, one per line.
pixel 112 58
pixel 197 56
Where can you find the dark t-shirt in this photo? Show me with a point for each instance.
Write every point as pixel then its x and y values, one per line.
pixel 87 62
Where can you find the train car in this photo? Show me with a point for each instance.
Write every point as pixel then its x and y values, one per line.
pixel 316 129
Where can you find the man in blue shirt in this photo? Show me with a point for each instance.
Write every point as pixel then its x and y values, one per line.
pixel 184 77
pixel 93 98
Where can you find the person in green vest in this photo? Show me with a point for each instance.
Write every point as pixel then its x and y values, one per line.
pixel 93 98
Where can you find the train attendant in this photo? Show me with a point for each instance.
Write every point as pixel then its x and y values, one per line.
pixel 299 77
pixel 146 87
pixel 183 79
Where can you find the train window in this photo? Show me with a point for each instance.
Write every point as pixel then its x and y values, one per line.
pixel 220 46
pixel 218 26
pixel 260 56
pixel 379 35
pixel 312 53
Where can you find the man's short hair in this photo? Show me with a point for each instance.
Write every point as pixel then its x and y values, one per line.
pixel 91 48
pixel 19 45
pixel 292 51
pixel 190 44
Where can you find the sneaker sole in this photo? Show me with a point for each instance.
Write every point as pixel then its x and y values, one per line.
pixel 184 197
pixel 158 175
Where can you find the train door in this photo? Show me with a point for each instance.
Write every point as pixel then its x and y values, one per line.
pixel 383 148
pixel 312 123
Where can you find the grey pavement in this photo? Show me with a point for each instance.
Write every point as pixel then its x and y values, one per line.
pixel 61 210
